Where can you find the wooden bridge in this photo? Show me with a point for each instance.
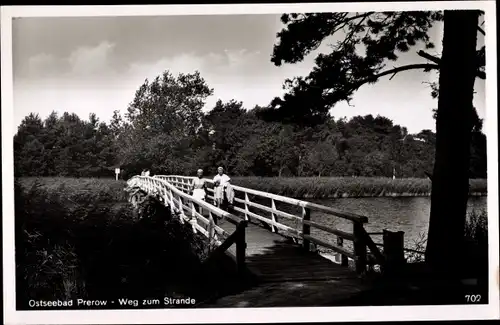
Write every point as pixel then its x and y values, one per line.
pixel 273 237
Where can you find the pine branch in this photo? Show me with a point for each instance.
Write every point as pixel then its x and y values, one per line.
pixel 429 57
pixel 347 20
pixel 394 71
pixel 479 74
pixel 354 30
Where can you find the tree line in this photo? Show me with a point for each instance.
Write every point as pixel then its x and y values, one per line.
pixel 165 130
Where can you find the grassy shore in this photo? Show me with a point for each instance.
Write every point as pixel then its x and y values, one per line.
pixel 336 187
pixel 476 240
pixel 80 238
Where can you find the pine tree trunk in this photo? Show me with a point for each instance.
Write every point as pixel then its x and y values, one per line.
pixel 450 178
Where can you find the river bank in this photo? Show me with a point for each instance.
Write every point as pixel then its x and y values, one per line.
pixel 348 187
pixel 296 187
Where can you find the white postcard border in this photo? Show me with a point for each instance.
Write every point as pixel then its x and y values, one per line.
pixel 244 315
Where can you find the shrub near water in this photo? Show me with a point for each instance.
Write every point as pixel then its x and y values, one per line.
pixel 476 246
pixel 321 187
pixel 78 241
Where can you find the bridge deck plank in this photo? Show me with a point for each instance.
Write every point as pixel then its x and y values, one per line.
pixel 274 258
pixel 289 276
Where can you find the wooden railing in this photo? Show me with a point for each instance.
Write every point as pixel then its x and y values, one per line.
pixel 395 243
pixel 190 210
pixel 277 220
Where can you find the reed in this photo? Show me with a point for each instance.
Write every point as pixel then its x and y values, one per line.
pixel 475 238
pixel 337 187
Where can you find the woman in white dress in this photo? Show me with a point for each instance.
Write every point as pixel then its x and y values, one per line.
pixel 223 191
pixel 199 186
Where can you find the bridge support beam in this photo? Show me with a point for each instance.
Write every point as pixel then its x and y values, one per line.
pixel 344 261
pixel 359 248
pixel 306 228
pixel 393 252
pixel 241 246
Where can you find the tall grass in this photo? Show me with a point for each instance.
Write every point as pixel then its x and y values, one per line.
pixel 80 238
pixel 475 250
pixel 105 190
pixel 476 244
pixel 336 187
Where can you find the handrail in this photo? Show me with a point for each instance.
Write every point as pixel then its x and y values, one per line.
pixel 167 191
pixel 284 199
pixel 219 212
pixel 361 240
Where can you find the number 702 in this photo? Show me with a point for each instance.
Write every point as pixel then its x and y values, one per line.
pixel 472 298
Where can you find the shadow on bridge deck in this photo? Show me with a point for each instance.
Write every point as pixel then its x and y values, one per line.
pixel 287 275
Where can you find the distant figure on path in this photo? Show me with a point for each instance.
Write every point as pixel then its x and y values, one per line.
pixel 143 172
pixel 223 191
pixel 146 173
pixel 199 186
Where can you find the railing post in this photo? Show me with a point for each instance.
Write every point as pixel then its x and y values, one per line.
pixel 190 183
pixel 171 202
pixel 181 211
pixel 344 261
pixel 246 206
pixel 393 251
pixel 241 246
pixel 211 228
pixel 165 198
pixel 306 228
pixel 359 247
pixel 194 220
pixel 273 216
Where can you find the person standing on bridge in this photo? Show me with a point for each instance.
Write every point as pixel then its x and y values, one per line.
pixel 199 186
pixel 223 192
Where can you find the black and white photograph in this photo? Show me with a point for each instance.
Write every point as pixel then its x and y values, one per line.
pixel 248 163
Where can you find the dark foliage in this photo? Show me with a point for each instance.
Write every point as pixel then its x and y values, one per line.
pixel 81 241
pixel 236 138
pixel 369 41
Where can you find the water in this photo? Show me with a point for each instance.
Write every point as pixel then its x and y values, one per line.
pixel 408 214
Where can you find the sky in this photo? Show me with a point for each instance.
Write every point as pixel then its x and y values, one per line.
pixel 95 64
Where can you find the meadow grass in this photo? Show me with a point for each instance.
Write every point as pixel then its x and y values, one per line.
pixel 337 187
pixel 102 189
pixel 80 238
